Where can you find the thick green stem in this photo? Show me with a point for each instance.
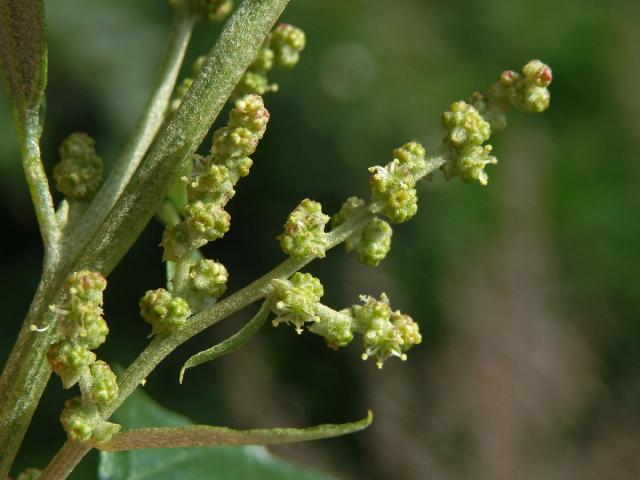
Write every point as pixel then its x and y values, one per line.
pixel 180 278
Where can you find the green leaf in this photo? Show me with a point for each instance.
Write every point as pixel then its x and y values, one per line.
pixel 211 463
pixel 23 55
pixel 232 343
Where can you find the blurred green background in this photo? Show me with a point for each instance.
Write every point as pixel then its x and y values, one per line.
pixel 526 291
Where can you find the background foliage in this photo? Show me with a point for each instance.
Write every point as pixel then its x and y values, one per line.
pixel 526 291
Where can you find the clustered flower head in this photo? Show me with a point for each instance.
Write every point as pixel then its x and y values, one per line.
pixel 207 282
pixel 296 299
pixel 282 50
pixel 78 175
pixel 527 91
pixel 467 131
pixel 373 241
pixel 83 329
pixel 386 333
pixel 213 178
pixel 304 235
pixel 165 312
pixel 82 422
pixel 393 191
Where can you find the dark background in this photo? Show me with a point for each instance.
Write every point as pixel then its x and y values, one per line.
pixel 526 291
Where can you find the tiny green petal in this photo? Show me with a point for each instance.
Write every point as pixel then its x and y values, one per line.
pixel 79 173
pixel 304 234
pixel 165 312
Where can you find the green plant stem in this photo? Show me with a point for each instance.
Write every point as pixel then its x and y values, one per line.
pixel 148 125
pixel 39 185
pixel 180 278
pixel 100 244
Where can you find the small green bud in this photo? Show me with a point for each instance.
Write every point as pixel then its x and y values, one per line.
pixel 296 300
pixel 412 154
pixel 304 234
pixel 465 125
pixel 103 388
pixel 335 329
pixel 287 42
pixel 29 474
pixel 81 420
pixel 213 10
pixel 240 166
pixel 264 59
pixel 85 325
pixel 468 163
pixel 249 113
pixel 166 313
pixel 79 173
pixel 70 361
pixel 176 242
pixel 209 277
pixel 210 183
pixel 233 142
pixel 537 73
pixel 86 286
pixel 207 220
pixel 385 333
pixel 374 242
pixel 393 187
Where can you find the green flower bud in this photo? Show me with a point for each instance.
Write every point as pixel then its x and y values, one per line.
pixel 82 422
pixel 335 328
pixel 412 154
pixel 70 361
pixel 79 173
pixel 385 333
pixel 249 113
pixel 287 42
pixel 176 242
pixel 393 187
pixel 349 210
pixel 537 73
pixel 207 220
pixel 374 242
pixel 233 142
pixel 465 125
pixel 296 300
pixel 304 234
pixel 166 313
pixel 409 330
pixel 85 325
pixel 209 277
pixel 264 59
pixel 103 388
pixel 87 286
pixel 213 10
pixel 210 183
pixel 240 166
pixel 469 162
pixel 29 474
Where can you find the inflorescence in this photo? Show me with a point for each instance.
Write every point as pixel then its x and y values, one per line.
pixel 83 328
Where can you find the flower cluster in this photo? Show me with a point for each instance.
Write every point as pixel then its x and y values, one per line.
pixel 296 299
pixel 207 282
pixel 211 183
pixel 83 329
pixel 282 50
pixel 165 312
pixel 304 235
pixel 527 92
pixel 78 175
pixel 371 243
pixel 393 192
pixel 385 332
